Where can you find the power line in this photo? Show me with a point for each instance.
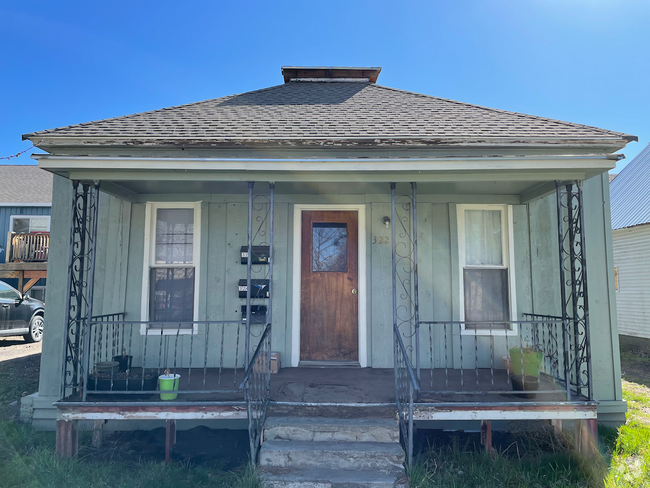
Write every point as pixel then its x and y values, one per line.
pixel 17 154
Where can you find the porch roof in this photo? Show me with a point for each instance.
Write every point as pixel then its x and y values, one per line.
pixel 309 112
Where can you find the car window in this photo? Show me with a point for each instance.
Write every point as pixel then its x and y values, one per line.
pixel 7 292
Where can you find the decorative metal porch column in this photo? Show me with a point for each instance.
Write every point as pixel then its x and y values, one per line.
pixel 405 310
pixel 259 275
pixel 406 313
pixel 573 290
pixel 81 273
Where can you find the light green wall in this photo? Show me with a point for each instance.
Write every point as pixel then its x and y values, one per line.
pixel 224 218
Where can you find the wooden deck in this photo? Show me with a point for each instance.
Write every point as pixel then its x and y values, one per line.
pixel 344 386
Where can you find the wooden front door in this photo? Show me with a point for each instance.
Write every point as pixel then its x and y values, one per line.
pixel 329 308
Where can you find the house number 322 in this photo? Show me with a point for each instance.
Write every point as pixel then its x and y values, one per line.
pixel 380 240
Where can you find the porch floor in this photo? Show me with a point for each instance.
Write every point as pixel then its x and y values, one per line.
pixel 348 385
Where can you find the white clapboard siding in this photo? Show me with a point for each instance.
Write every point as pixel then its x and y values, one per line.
pixel 632 258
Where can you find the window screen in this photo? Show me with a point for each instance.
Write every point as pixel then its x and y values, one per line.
pixel 486 296
pixel 172 295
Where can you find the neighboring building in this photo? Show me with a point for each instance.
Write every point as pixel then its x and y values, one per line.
pixel 397 246
pixel 25 207
pixel 630 198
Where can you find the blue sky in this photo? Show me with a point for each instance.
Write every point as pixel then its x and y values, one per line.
pixel 66 62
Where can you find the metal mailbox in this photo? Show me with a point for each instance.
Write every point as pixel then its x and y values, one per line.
pixel 258 314
pixel 261 254
pixel 260 288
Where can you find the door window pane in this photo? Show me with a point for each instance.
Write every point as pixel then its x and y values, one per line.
pixel 483 238
pixel 486 295
pixel 330 247
pixel 174 236
pixel 21 226
pixel 172 294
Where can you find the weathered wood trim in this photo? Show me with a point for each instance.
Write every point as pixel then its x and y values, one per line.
pixel 150 412
pixel 23 266
pixel 388 165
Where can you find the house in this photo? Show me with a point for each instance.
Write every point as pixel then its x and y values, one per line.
pixel 631 238
pixel 25 206
pixel 398 253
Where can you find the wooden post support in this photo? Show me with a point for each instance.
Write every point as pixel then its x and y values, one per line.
pixel 67 439
pixel 21 281
pixel 557 426
pixel 587 436
pixel 486 436
pixel 170 438
pixel 98 433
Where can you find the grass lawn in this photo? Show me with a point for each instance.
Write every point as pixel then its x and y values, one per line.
pixel 524 459
pixel 538 459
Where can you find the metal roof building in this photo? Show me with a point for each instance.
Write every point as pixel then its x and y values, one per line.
pixel 630 193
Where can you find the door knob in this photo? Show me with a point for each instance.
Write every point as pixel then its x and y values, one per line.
pixel 354 291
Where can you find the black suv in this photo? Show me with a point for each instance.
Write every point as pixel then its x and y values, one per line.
pixel 20 314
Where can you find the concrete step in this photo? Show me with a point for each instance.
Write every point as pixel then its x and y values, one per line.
pixel 325 429
pixel 329 478
pixel 361 456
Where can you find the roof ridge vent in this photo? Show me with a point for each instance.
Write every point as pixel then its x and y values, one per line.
pixel 330 73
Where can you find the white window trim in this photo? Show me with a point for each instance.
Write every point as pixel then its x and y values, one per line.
pixel 507 245
pixel 12 217
pixel 297 278
pixel 149 245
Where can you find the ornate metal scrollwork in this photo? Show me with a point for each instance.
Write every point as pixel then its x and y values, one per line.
pixel 573 289
pixel 83 231
pixel 405 268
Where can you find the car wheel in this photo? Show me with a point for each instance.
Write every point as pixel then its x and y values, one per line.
pixel 35 333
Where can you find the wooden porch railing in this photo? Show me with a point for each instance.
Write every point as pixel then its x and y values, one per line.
pixel 28 247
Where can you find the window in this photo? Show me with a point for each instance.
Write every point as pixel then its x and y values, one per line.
pixel 485 268
pixel 172 265
pixel 7 292
pixel 26 224
pixel 329 247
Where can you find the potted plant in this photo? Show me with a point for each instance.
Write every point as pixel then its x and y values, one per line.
pixel 524 367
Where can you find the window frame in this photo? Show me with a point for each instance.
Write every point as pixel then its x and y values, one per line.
pixel 508 260
pixel 30 217
pixel 151 212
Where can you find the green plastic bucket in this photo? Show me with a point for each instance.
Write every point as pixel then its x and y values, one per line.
pixel 168 382
pixel 531 361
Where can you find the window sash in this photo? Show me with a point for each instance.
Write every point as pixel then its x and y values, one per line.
pixel 506 295
pixel 169 300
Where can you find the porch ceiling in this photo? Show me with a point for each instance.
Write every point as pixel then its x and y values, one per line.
pixel 494 187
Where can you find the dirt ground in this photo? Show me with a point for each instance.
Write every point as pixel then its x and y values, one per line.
pixel 222 449
pixel 20 364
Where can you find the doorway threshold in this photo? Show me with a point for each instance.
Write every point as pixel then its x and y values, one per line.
pixel 329 364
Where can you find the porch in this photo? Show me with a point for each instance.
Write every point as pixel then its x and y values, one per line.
pixel 449 368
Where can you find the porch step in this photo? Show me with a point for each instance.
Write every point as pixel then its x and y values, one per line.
pixel 317 452
pixel 328 478
pixel 361 456
pixel 325 429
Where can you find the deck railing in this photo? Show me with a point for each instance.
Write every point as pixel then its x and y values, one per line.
pixel 406 388
pixel 28 247
pixel 514 357
pixel 257 390
pixel 127 357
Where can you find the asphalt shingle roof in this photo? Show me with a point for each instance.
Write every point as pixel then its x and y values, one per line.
pixel 630 193
pixel 25 184
pixel 307 110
